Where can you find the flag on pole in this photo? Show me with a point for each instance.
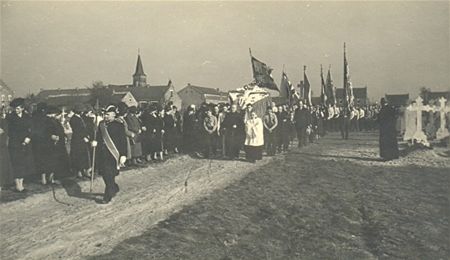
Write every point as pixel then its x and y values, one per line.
pixel 306 87
pixel 331 89
pixel 323 92
pixel 348 89
pixel 262 74
pixel 289 88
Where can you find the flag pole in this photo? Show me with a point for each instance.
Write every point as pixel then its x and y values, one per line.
pixel 94 148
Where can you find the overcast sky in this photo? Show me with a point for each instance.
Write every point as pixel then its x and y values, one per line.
pixel 393 47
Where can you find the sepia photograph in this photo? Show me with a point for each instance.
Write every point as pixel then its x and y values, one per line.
pixel 224 130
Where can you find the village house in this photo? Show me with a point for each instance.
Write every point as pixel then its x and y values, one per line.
pixel 139 93
pixel 397 100
pixel 197 95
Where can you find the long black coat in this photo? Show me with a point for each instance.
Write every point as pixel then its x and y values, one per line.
pixel 233 126
pixel 302 118
pixel 21 155
pixel 106 162
pixel 79 149
pixel 58 159
pixel 388 133
pixel 41 143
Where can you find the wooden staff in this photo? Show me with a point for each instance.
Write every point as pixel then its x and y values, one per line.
pixel 94 148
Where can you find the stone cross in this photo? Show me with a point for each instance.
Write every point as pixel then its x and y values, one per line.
pixel 418 107
pixel 442 132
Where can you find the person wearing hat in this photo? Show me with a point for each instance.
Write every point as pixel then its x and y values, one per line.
pixel 19 146
pixel 111 151
pixel 79 143
pixel 387 118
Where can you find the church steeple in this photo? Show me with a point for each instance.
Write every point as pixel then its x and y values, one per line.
pixel 139 77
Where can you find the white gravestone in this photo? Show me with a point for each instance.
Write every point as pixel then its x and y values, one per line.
pixel 442 132
pixel 419 136
pixel 410 123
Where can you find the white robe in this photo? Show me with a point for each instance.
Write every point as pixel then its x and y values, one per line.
pixel 254 132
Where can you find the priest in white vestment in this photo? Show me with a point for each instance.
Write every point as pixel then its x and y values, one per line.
pixel 254 138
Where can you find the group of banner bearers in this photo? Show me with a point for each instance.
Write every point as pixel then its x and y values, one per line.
pixel 120 136
pixel 127 136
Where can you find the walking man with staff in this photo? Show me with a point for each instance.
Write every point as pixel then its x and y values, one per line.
pixel 111 146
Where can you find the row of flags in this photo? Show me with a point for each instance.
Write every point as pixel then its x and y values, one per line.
pixel 262 75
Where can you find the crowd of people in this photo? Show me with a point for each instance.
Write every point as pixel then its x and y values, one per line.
pixel 52 143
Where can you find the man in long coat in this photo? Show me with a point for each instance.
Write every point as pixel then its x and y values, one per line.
pixel 388 133
pixel 19 132
pixel 233 127
pixel 134 126
pixel 302 119
pixel 111 152
pixel 79 143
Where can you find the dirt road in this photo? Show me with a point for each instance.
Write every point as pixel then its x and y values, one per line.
pixel 74 226
pixel 332 200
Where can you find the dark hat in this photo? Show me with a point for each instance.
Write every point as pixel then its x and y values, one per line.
pixel 53 110
pixel 111 108
pixel 122 108
pixel 383 101
pixel 17 102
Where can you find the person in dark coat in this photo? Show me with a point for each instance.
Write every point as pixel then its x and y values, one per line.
pixel 5 166
pixel 302 119
pixel 388 134
pixel 134 126
pixel 209 131
pixel 111 151
pixel 170 130
pixel 41 144
pixel 270 122
pixel 233 127
pixel 79 143
pixel 179 128
pixel 189 126
pixel 345 121
pixel 284 128
pixel 58 159
pixel 19 146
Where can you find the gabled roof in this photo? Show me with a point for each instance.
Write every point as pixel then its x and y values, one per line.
pixel 397 99
pixel 150 93
pixel 205 90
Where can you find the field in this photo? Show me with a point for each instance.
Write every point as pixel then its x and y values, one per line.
pixel 331 200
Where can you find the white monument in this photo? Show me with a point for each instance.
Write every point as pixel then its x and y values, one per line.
pixel 419 136
pixel 442 132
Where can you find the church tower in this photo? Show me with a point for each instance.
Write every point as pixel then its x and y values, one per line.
pixel 139 77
